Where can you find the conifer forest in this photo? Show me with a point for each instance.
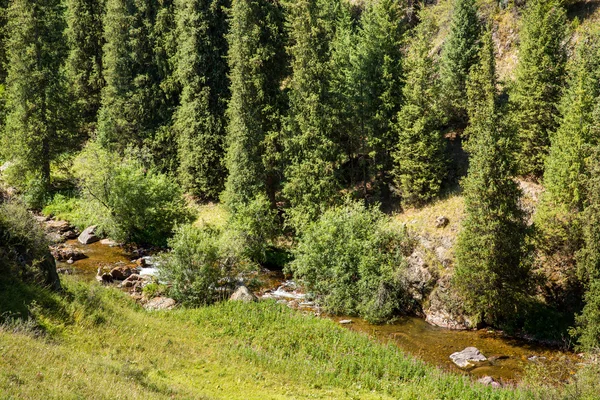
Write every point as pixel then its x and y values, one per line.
pixel 376 164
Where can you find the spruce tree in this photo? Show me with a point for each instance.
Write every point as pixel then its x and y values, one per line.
pixel 312 149
pixel 587 328
pixel 201 70
pixel 536 92
pixel 84 63
pixel 565 168
pixel 459 54
pixel 420 163
pixel 378 82
pixel 164 38
pixel 257 63
pixel 3 39
pixel 132 100
pixel 37 122
pixel 490 271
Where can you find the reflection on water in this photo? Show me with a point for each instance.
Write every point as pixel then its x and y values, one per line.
pixel 508 358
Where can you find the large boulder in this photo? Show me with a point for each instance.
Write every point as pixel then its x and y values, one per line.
pixel 244 294
pixel 468 358
pixel 65 253
pixel 88 235
pixel 120 273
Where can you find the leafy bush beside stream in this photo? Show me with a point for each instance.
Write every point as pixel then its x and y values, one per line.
pixel 352 259
pixel 127 198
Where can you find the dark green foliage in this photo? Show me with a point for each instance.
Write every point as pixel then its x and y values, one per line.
pixel 258 65
pixel 491 271
pixel 566 176
pixel 459 54
pixel 352 260
pixel 84 63
pixel 129 200
pixel 420 160
pixel 164 36
pixel 254 226
pixel 588 260
pixel 3 39
pixel 312 150
pixel 536 92
pixel 377 85
pixel 194 266
pixel 201 70
pixel 132 100
pixel 37 121
pixel 24 254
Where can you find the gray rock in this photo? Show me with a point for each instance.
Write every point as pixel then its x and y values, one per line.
pixel 441 222
pixel 57 226
pixel 88 235
pixel 160 303
pixel 244 294
pixel 467 358
pixel 55 238
pixel 489 381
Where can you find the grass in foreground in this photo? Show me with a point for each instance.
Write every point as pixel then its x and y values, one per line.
pixel 95 343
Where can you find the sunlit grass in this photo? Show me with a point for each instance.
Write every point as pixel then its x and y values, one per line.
pixel 102 345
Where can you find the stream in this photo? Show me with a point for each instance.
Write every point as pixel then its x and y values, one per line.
pixel 508 358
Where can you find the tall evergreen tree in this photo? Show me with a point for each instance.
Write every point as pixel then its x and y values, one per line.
pixel 3 39
pixel 588 258
pixel 459 54
pixel 37 124
pixel 565 168
pixel 378 83
pixel 566 176
pixel 201 70
pixel 420 157
pixel 164 39
pixel 490 270
pixel 312 150
pixel 84 63
pixel 132 100
pixel 257 63
pixel 539 77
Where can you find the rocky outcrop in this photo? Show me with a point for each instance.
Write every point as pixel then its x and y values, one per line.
pixel 418 279
pixel 244 294
pixel 65 253
pixel 445 308
pixel 468 358
pixel 88 235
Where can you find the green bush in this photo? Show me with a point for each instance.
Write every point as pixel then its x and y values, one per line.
pixel 70 208
pixel 201 265
pixel 129 200
pixel 253 227
pixel 23 247
pixel 352 260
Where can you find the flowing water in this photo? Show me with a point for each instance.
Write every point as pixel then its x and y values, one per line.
pixel 507 358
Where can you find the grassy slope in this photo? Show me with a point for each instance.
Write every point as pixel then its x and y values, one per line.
pixel 99 344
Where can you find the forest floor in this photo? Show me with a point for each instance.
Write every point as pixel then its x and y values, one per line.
pixel 96 343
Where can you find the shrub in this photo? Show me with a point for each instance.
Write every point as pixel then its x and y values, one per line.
pixel 130 201
pixel 201 265
pixel 23 247
pixel 253 227
pixel 352 260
